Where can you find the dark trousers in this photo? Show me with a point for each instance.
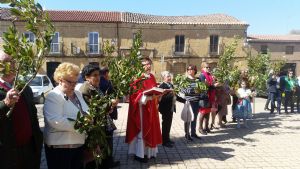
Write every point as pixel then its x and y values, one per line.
pixel 273 97
pixel 195 107
pixel 288 101
pixel 64 158
pixel 166 125
pixel 25 157
pixel 279 100
pixel 298 100
pixel 108 160
pixel 234 104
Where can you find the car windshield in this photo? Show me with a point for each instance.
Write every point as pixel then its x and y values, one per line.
pixel 37 81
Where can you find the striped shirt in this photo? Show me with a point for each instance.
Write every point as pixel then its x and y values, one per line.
pixel 190 92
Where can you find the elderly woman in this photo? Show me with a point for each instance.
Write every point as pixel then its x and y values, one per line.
pixel 63 144
pixel 91 75
pixel 166 108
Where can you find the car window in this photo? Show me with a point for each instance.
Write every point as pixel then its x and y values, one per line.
pixel 46 81
pixel 37 81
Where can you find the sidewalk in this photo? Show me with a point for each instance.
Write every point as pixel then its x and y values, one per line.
pixel 272 141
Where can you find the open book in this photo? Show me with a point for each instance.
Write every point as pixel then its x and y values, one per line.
pixel 156 91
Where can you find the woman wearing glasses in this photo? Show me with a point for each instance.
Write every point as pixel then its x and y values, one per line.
pixel 63 144
pixel 193 97
pixel 207 77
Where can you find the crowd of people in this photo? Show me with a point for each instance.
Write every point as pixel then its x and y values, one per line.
pixel 65 148
pixel 283 88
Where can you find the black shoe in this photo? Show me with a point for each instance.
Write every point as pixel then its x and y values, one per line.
pixel 207 130
pixel 224 119
pixel 188 137
pixel 202 132
pixel 142 160
pixel 114 164
pixel 267 109
pixel 196 136
pixel 172 142
pixel 168 144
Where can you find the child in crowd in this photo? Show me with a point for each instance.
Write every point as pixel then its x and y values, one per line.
pixel 243 109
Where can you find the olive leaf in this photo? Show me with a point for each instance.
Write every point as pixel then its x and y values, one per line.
pixel 28 56
pixel 123 72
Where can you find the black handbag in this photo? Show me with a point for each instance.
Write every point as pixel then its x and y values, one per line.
pixel 204 101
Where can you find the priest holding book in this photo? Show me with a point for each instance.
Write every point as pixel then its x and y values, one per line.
pixel 143 128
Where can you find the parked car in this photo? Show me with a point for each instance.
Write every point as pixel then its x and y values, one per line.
pixel 40 86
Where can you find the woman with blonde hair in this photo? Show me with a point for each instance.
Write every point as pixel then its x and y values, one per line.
pixel 63 144
pixel 207 77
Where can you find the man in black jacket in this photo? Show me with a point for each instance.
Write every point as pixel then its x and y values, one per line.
pixel 20 135
pixel 166 108
pixel 273 91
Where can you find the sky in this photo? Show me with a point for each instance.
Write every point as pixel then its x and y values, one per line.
pixel 263 16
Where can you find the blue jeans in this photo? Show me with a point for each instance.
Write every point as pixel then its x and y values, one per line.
pixel 273 97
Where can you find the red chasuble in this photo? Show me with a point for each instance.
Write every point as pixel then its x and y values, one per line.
pixel 151 125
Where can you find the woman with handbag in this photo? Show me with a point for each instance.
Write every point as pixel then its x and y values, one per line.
pixel 192 96
pixel 208 99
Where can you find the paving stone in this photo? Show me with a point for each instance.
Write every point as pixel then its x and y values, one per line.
pixel 272 141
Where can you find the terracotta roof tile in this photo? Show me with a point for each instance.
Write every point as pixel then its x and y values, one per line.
pixel 84 16
pixel 128 17
pixel 261 38
pixel 221 19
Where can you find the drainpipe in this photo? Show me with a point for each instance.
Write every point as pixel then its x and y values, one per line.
pixel 118 40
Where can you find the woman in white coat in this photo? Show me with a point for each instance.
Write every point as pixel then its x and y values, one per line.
pixel 63 144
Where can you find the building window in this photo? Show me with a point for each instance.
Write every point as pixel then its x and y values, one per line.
pixel 93 43
pixel 179 43
pixel 264 49
pixel 54 48
pixel 214 44
pixel 29 36
pixel 289 50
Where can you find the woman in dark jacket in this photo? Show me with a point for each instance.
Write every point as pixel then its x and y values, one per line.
pixel 273 91
pixel 167 107
pixel 89 88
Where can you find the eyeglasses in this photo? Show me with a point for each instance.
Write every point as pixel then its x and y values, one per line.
pixel 190 69
pixel 207 67
pixel 146 64
pixel 70 82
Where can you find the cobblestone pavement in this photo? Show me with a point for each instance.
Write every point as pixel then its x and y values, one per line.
pixel 272 141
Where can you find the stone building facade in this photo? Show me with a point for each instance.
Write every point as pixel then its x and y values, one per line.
pixel 280 47
pixel 172 42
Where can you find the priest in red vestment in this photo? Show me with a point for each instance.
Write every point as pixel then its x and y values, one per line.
pixel 143 132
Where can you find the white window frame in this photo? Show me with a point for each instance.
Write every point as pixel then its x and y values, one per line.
pixel 55 44
pixel 30 37
pixel 93 44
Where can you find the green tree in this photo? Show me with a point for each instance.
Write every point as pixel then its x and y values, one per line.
pixel 226 71
pixel 29 56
